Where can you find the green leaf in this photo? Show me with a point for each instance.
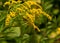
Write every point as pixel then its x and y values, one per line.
pixel 49 6
pixel 55 11
pixel 16 32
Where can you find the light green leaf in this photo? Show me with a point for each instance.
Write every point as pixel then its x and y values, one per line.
pixel 16 32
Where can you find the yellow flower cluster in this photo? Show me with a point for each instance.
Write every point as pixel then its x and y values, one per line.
pixel 12 14
pixel 6 3
pixel 53 35
pixel 12 2
pixel 31 19
pixel 8 18
pixel 34 12
pixel 29 3
pixel 7 21
pixel 19 9
pixel 58 30
pixel 47 15
pixel 31 13
pixel 39 11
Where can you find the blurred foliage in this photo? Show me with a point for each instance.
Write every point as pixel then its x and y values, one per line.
pixel 29 21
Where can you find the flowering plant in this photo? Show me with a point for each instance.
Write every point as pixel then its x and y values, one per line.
pixel 29 22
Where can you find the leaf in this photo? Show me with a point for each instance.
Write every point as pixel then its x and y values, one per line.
pixel 16 30
pixel 55 11
pixel 49 6
pixel 4 42
pixel 2 15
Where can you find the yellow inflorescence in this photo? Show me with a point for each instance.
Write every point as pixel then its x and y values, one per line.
pixel 7 21
pixel 30 12
pixel 13 2
pixel 12 14
pixel 6 3
pixel 30 17
pixel 29 3
pixel 39 11
pixel 47 15
pixel 8 18
pixel 19 9
pixel 36 11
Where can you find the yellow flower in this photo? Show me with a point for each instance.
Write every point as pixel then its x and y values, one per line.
pixel 39 10
pixel 58 30
pixel 12 14
pixel 31 2
pixel 30 17
pixel 53 35
pixel 34 3
pixel 28 4
pixel 6 3
pixel 31 10
pixel 47 15
pixel 8 16
pixel 14 2
pixel 19 9
pixel 7 20
pixel 34 11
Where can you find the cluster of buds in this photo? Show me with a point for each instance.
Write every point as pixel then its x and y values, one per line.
pixel 8 18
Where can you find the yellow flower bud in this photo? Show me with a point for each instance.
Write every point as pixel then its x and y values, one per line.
pixel 12 14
